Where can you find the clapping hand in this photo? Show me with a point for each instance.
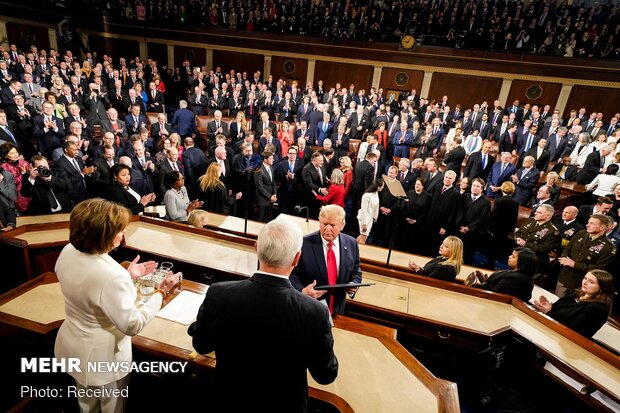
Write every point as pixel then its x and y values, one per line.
pixel 137 270
pixel 542 304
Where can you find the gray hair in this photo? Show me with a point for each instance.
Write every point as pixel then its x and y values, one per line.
pixel 547 208
pixel 182 104
pixel 450 173
pixel 278 242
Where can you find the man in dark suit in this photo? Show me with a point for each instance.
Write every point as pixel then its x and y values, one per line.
pixel 199 102
pixel 525 179
pixel 565 170
pixel 264 124
pixel 542 197
pixel 134 120
pixel 362 178
pixel 49 194
pixel 508 141
pixel 324 130
pixel 603 206
pixel 102 176
pixel 156 99
pixel 287 174
pixel 318 265
pixel 8 132
pixel 443 212
pixel 184 121
pixel 267 139
pixel 143 181
pixel 540 155
pixel 265 183
pixel 116 127
pixel 171 163
pixel 556 144
pixel 49 131
pixel 435 176
pixel 314 176
pixel 454 159
pixel 340 141
pixel 480 163
pixel 595 163
pixel 358 123
pixel 473 221
pixel 262 311
pixel 160 129
pixel 193 159
pixel 71 168
pixel 501 172
pixel 406 178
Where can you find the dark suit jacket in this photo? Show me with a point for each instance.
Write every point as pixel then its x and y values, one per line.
pixel 506 144
pixel 106 126
pixel 525 184
pixel 155 104
pixel 265 186
pixel 260 128
pixel 63 168
pixel 278 147
pixel 290 331
pixel 212 129
pixel 542 162
pixel 184 122
pixel 434 185
pixel 497 178
pixel 121 196
pixel 503 217
pixel 312 180
pixel 513 283
pixel 555 150
pixel 156 129
pixel 474 168
pixel 362 178
pixel 41 192
pixel 590 169
pixel 569 175
pixel 132 127
pixel 312 266
pixel 50 140
pixel 454 159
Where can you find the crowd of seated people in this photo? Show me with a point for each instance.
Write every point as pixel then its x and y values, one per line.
pixel 564 29
pixel 256 147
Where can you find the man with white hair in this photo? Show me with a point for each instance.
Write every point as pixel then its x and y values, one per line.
pixel 261 311
pixel 184 121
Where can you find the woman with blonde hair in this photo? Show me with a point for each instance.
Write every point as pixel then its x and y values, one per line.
pixel 238 128
pixel 213 192
pixel 335 191
pixel 175 141
pixel 198 218
pixel 285 136
pixel 445 266
pixel 57 84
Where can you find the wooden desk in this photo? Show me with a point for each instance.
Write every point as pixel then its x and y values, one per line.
pixel 42 219
pixel 366 379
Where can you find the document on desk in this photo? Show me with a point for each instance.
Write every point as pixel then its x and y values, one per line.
pixel 606 401
pixel 183 308
pixel 580 387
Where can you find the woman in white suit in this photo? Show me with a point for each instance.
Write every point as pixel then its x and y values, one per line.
pixel 101 314
pixel 369 210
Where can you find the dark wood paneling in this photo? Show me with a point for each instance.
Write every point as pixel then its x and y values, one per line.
pixel 388 79
pixel 240 62
pixel 159 52
pixel 550 92
pixel 594 99
pixel 24 36
pixel 463 89
pixel 116 48
pixel 299 74
pixel 196 55
pixel 333 72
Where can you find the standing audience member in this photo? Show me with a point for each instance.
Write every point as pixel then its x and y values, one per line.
pixel 262 310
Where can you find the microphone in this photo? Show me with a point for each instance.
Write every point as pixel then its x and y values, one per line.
pixel 299 208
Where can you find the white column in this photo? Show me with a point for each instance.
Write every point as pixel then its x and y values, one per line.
pixel 171 56
pixel 376 77
pixel 209 62
pixel 504 91
pixel 51 33
pixel 310 71
pixel 266 66
pixel 563 98
pixel 144 50
pixel 426 84
pixel 4 36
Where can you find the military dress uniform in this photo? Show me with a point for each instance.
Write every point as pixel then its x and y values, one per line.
pixel 539 238
pixel 588 254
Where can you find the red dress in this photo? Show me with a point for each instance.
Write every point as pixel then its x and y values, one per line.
pixel 21 202
pixel 335 195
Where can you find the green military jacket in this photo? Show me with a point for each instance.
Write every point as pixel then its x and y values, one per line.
pixel 588 255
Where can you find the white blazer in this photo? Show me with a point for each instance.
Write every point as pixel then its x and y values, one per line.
pixel 369 210
pixel 100 313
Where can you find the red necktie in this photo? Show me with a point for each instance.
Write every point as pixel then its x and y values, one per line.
pixel 332 272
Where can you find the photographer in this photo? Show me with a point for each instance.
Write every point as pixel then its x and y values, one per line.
pixel 49 193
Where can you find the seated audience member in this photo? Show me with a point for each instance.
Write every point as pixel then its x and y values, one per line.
pixel 586 310
pixel 198 218
pixel 176 200
pixel 565 169
pixel 517 281
pixel 447 265
pixel 121 192
pixel 604 182
pixel 335 190
pixel 49 193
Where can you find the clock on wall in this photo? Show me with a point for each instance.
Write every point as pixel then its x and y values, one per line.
pixel 289 67
pixel 401 78
pixel 407 42
pixel 534 92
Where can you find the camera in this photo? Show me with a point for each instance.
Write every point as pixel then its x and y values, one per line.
pixel 44 171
